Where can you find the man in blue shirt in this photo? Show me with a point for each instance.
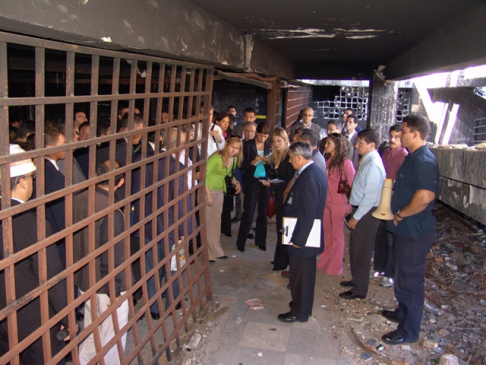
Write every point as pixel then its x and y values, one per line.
pixel 365 197
pixel 413 229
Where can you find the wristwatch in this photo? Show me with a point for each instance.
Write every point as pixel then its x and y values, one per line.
pixel 398 213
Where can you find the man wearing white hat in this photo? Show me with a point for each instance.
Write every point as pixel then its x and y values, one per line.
pixel 24 234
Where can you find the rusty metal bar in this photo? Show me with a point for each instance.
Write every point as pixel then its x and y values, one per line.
pixel 180 94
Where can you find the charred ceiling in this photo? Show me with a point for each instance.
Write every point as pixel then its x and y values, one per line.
pixel 321 39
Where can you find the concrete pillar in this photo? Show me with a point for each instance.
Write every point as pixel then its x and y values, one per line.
pixel 383 105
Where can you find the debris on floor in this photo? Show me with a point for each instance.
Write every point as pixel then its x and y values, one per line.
pixel 255 304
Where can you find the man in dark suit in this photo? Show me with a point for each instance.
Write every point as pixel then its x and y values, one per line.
pixel 176 188
pixel 351 135
pixel 27 271
pixel 305 201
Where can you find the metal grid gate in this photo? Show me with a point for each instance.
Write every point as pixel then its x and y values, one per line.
pixel 48 79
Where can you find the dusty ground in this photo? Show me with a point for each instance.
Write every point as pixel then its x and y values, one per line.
pixel 348 332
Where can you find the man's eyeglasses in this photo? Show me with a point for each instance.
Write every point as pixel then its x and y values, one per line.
pixel 361 143
pixel 32 175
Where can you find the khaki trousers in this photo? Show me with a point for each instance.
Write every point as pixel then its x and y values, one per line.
pixel 213 225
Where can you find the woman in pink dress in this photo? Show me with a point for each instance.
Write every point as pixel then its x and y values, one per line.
pixel 339 167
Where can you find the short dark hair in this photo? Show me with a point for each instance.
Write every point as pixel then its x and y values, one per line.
pixel 249 110
pixel 309 135
pixel 417 122
pixel 51 135
pixel 395 128
pixel 218 117
pixel 352 110
pixel 82 125
pixel 123 122
pixel 263 128
pixel 230 107
pixel 370 136
pixel 354 118
pixel 301 149
pixel 27 127
pixel 337 122
pixel 102 127
pixel 14 117
pixel 151 136
pixel 104 168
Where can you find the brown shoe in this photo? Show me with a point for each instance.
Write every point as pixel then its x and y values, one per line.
pixel 288 286
pixel 285 274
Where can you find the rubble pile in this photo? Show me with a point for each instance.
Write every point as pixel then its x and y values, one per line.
pixel 453 330
pixel 455 288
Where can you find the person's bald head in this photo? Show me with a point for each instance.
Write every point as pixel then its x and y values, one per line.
pixel 307 116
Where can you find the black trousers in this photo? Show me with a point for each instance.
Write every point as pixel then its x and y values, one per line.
pixel 226 214
pixel 409 263
pixel 302 278
pixel 383 251
pixel 255 193
pixel 361 244
pixel 281 257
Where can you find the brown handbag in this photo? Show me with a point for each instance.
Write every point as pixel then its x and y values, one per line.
pixel 343 186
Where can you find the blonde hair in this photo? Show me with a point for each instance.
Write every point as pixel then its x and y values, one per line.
pixel 239 155
pixel 279 156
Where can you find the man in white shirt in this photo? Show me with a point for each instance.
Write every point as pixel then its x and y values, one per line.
pixel 365 197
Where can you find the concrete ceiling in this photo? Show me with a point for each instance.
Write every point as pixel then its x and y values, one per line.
pixel 289 39
pixel 350 34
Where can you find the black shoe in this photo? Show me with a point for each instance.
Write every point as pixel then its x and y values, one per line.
pixel 212 260
pixel 291 303
pixel 235 220
pixel 178 306
pixel 346 283
pixel 289 318
pixel 278 269
pixel 390 315
pixel 263 248
pixel 155 316
pixel 251 236
pixel 241 249
pixel 224 257
pixel 350 295
pixel 228 234
pixel 394 338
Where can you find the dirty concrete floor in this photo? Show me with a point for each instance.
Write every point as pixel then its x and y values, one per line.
pixel 246 336
pixel 339 331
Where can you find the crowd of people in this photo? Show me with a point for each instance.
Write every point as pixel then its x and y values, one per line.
pixel 336 179
pixel 332 176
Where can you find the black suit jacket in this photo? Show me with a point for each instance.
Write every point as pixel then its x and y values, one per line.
pixel 249 153
pixel 55 209
pixel 24 234
pixel 175 185
pixel 306 201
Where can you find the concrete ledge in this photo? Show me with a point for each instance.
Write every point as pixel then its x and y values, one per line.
pixel 463 181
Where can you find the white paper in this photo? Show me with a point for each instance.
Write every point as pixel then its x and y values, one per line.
pixel 314 239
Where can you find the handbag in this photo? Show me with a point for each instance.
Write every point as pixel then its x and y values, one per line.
pixel 271 211
pixel 228 181
pixel 343 186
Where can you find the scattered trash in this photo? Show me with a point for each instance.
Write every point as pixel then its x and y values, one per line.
pixel 449 359
pixel 192 345
pixel 260 354
pixel 366 356
pixel 255 303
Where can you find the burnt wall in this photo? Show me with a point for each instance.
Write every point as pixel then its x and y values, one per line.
pixel 471 107
pixel 463 181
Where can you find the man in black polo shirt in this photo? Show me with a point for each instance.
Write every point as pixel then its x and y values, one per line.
pixel 413 229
